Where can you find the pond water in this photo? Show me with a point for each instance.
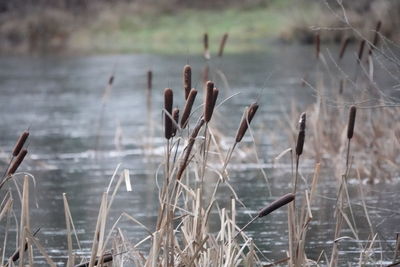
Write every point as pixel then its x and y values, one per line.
pixel 60 99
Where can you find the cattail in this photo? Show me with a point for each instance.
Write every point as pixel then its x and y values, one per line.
pixel 168 102
pixel 361 50
pixel 282 201
pixel 341 86
pixel 149 80
pixel 188 107
pixel 215 97
pixel 302 122
pixel 317 44
pixel 352 120
pixel 17 162
pixel 343 47
pixel 205 42
pixel 222 44
pixel 300 143
pixel 20 143
pixel 209 100
pixel 376 36
pixel 104 259
pixel 111 80
pixel 187 80
pixel 246 119
pixel 175 116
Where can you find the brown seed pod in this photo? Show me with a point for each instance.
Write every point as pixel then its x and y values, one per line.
pixel 188 107
pixel 209 100
pixel 376 36
pixel 247 117
pixel 343 47
pixel 111 80
pixel 149 80
pixel 302 122
pixel 317 45
pixel 20 143
pixel 361 50
pixel 17 162
pixel 175 115
pixel 352 120
pixel 187 80
pixel 168 102
pixel 300 143
pixel 205 41
pixel 282 201
pixel 222 44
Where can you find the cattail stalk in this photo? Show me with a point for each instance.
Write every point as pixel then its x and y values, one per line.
pixel 188 107
pixel 209 101
pixel 187 80
pixel 222 44
pixel 168 102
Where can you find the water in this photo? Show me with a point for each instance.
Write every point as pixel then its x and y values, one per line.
pixel 59 99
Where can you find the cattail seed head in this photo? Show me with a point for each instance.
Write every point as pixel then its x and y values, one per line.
pixel 376 36
pixel 246 119
pixel 302 122
pixel 209 100
pixel 282 201
pixel 175 115
pixel 17 162
pixel 361 50
pixel 352 120
pixel 222 44
pixel 20 143
pixel 168 102
pixel 215 97
pixel 343 47
pixel 188 107
pixel 205 41
pixel 317 45
pixel 149 80
pixel 111 80
pixel 187 80
pixel 300 142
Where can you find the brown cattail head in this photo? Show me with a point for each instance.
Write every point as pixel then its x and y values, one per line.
pixel 205 42
pixel 352 120
pixel 246 119
pixel 175 115
pixel 111 80
pixel 282 201
pixel 188 107
pixel 317 45
pixel 300 143
pixel 209 100
pixel 222 44
pixel 343 47
pixel 20 143
pixel 168 102
pixel 376 36
pixel 187 80
pixel 361 50
pixel 341 86
pixel 17 161
pixel 215 97
pixel 149 80
pixel 302 122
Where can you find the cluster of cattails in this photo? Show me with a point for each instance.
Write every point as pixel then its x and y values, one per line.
pixel 18 153
pixel 222 44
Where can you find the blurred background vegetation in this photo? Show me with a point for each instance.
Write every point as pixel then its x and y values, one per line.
pixel 171 26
